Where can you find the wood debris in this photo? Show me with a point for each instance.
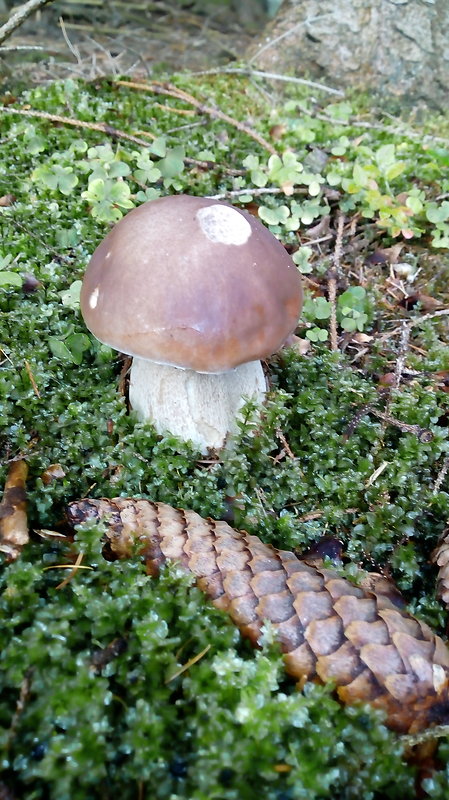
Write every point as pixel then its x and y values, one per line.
pixel 13 516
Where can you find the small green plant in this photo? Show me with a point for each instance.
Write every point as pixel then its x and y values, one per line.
pixel 7 277
pixel 316 309
pixel 351 307
pixel 353 312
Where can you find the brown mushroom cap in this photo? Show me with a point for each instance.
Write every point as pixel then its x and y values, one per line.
pixel 191 282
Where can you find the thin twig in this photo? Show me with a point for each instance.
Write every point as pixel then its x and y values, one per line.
pixel 403 347
pixel 286 449
pixel 109 130
pixel 72 573
pixel 32 379
pixel 429 735
pixel 353 122
pixel 172 91
pixel 277 39
pixel 423 434
pixel 188 664
pixel 332 282
pixel 73 49
pixel 22 13
pixel 441 476
pixel 29 232
pixel 444 312
pixel 101 127
pixel 19 47
pixel 272 76
pixel 259 192
pixel 374 476
pixel 25 688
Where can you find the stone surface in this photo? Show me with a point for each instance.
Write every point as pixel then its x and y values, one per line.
pixel 400 47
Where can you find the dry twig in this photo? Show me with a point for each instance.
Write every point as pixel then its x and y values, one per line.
pixel 403 347
pixel 423 434
pixel 332 282
pixel 441 476
pixel 22 13
pixel 256 192
pixel 271 76
pixel 109 130
pixel 274 42
pixel 32 379
pixel 169 90
pixel 25 689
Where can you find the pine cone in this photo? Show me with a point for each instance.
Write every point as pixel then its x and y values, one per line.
pixel 328 629
pixel 440 556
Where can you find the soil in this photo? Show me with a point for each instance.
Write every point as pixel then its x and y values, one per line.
pixel 94 38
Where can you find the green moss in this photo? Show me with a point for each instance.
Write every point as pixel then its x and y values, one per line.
pixel 90 727
pixel 93 659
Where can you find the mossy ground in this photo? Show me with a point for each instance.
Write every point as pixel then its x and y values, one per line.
pixel 89 705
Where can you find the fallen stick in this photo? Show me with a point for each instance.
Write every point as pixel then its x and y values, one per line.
pixel 18 18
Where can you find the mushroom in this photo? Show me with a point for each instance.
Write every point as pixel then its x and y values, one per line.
pixel 197 291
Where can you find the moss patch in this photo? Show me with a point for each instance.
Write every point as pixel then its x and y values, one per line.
pixel 89 706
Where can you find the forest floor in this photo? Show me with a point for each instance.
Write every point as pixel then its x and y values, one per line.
pixel 115 683
pixel 84 40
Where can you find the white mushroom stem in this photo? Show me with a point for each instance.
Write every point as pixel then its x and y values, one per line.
pixel 191 405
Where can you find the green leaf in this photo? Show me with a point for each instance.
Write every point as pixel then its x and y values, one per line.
pixel 395 170
pixel 5 260
pixel 385 156
pixel 339 111
pixel 438 213
pixel 352 296
pixel 56 177
pixel 77 344
pixel 146 171
pixel 360 176
pixel 301 258
pixel 314 188
pixel 172 166
pixel 258 178
pixel 414 204
pixel 118 169
pixel 107 197
pixel 334 178
pixel 323 308
pixel 251 162
pixel 71 297
pixel 317 334
pixel 60 350
pixel 274 216
pixel 10 279
pixel 149 194
pixel 159 147
pixel 349 324
pixel 206 155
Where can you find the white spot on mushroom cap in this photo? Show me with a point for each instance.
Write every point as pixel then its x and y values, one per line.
pixel 439 678
pixel 93 299
pixel 223 225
